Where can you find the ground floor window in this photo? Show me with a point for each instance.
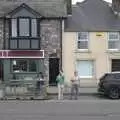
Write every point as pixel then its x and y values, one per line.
pixel 24 65
pixel 115 65
pixel 85 68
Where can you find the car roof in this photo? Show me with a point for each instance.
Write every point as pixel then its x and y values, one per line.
pixel 117 72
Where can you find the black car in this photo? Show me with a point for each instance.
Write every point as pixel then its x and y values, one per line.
pixel 109 85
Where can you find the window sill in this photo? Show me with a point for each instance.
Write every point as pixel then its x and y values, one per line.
pixel 113 50
pixel 24 72
pixel 88 78
pixel 82 51
pixel 24 37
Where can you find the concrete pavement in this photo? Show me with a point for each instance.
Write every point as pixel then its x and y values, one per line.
pixel 84 93
pixel 82 90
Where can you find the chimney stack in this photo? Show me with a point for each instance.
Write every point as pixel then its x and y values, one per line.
pixel 69 7
pixel 116 5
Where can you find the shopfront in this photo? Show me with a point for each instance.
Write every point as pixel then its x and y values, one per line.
pixel 21 64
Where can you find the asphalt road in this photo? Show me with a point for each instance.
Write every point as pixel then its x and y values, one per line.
pixel 85 108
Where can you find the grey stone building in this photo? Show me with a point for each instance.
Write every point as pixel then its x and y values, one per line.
pixel 31 38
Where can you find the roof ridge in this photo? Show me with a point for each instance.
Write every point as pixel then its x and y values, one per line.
pixel 94 15
pixel 106 2
pixel 78 3
pixel 82 2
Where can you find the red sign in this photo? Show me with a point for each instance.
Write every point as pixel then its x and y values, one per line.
pixel 21 53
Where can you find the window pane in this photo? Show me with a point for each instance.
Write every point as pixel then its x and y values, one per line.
pixel 85 69
pixel 13 44
pixel 114 45
pixel 113 36
pixel 24 65
pixel 82 44
pixel 83 40
pixel 24 44
pixel 115 65
pixel 24 27
pixel 113 40
pixel 34 27
pixel 35 44
pixel 32 66
pixel 19 65
pixel 83 36
pixel 14 27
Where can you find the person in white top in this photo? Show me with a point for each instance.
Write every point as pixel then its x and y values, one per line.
pixel 75 83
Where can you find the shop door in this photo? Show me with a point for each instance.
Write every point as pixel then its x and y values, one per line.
pixel 53 70
pixel 1 70
pixel 115 65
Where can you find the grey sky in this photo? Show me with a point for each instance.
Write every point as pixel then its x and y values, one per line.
pixel 74 1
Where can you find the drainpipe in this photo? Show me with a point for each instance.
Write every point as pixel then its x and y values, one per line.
pixel 3 44
pixel 61 42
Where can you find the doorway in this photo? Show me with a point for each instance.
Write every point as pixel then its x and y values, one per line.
pixel 53 70
pixel 1 70
pixel 115 65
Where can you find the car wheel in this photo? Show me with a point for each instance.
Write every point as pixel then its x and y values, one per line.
pixel 114 93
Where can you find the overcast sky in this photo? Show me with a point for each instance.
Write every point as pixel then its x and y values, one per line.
pixel 74 1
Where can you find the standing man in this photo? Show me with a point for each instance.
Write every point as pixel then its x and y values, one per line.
pixel 75 83
pixel 60 83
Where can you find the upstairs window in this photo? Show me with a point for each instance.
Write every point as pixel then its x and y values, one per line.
pixel 24 34
pixel 24 27
pixel 113 40
pixel 34 27
pixel 14 27
pixel 83 38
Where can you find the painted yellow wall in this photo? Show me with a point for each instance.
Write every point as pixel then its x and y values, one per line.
pixel 68 55
pixel 97 52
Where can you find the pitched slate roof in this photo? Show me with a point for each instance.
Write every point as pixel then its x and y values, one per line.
pixel 47 8
pixel 92 15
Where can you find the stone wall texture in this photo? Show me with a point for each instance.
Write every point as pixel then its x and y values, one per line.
pixel 50 34
pixel 50 41
pixel 1 34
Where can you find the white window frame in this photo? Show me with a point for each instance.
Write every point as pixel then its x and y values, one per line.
pixel 83 40
pixel 93 69
pixel 118 39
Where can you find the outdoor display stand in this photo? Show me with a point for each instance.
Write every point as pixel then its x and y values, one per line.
pixel 24 89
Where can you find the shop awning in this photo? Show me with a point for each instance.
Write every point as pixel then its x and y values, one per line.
pixel 21 53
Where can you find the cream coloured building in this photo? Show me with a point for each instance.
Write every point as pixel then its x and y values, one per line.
pixel 91 41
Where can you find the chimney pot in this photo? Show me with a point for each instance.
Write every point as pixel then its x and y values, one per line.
pixel 116 5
